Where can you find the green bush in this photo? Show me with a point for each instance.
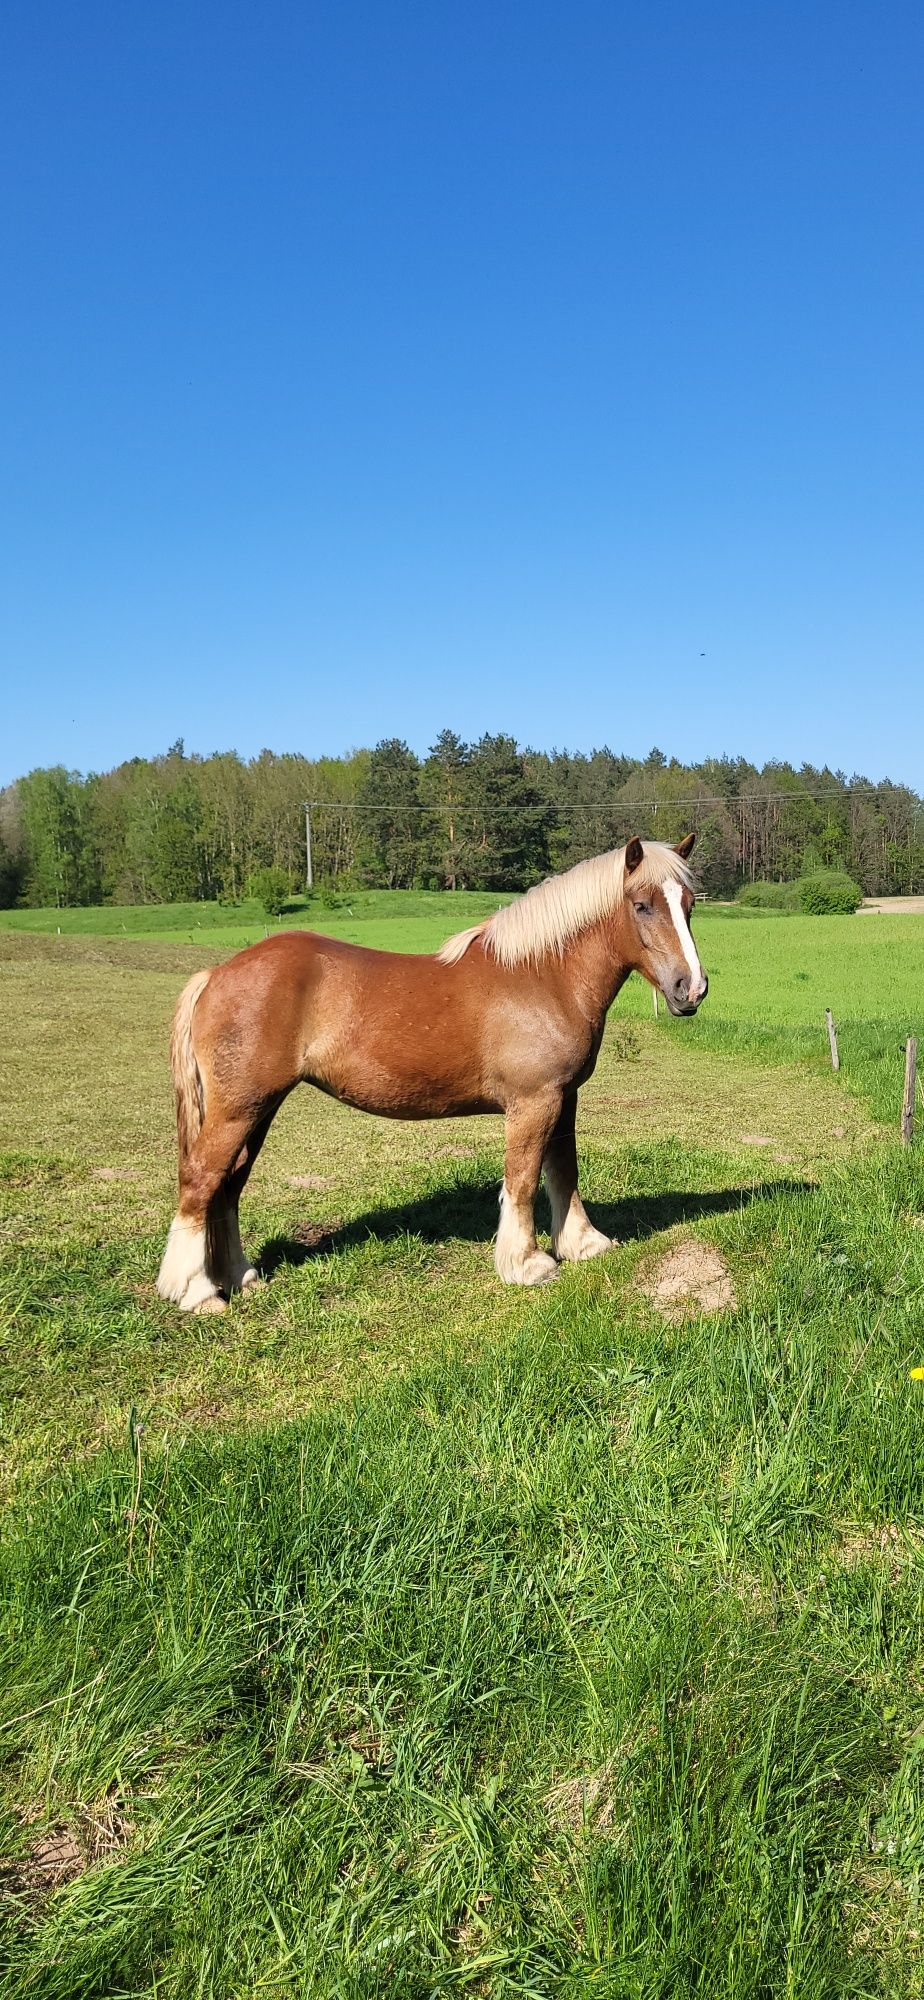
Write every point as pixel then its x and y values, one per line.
pixel 769 896
pixel 826 893
pixel 829 894
pixel 272 888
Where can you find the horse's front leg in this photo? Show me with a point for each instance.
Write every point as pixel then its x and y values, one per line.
pixel 573 1233
pixel 517 1256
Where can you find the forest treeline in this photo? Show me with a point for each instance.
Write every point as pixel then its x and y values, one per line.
pixel 486 815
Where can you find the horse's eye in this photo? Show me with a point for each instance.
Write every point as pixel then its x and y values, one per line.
pixel 643 909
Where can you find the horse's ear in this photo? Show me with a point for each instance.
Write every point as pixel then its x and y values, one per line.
pixel 634 854
pixel 685 846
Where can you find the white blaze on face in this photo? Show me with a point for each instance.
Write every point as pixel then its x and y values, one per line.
pixel 673 896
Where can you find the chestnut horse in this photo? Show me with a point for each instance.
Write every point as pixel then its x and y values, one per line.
pixel 508 1016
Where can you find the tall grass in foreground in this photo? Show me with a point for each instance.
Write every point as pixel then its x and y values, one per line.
pixel 591 1665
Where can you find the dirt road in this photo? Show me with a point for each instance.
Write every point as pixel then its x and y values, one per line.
pixel 892 906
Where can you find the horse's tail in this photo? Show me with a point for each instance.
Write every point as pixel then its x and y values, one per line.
pixel 187 1080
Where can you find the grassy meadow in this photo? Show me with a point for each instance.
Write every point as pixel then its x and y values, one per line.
pixel 400 1634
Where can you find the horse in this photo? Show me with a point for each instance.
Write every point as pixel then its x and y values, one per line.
pixel 507 1017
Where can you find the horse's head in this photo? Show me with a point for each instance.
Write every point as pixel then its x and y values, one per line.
pixel 659 916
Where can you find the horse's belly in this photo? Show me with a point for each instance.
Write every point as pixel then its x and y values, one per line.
pixel 401 1105
pixel 402 1081
pixel 388 1096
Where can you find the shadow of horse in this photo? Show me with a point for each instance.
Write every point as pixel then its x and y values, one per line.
pixel 467 1212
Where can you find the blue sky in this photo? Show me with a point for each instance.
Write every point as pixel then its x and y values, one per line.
pixel 551 368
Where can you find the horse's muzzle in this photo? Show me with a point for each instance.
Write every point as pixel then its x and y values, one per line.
pixel 683 998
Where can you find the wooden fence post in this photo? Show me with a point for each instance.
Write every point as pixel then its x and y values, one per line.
pixel 911 1077
pixel 832 1037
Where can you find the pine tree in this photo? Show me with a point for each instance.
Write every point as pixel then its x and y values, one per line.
pixel 391 835
pixel 444 781
pixel 510 822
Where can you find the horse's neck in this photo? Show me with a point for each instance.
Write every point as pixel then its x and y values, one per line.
pixel 599 963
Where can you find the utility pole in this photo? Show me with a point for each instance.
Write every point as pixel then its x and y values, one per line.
pixel 309 873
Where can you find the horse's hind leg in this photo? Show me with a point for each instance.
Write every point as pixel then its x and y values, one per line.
pixel 517 1256
pixel 242 1274
pixel 573 1234
pixel 203 1261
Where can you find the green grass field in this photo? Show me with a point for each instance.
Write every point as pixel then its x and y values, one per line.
pixel 401 1634
pixel 397 920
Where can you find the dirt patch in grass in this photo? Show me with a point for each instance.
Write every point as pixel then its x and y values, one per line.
pixel 584 1804
pixel 881 1908
pixel 201 1413
pixel 60 1853
pixel 311 1235
pixel 472 1933
pixel 313 1183
pixel 895 1547
pixel 693 1277
pixel 54 1858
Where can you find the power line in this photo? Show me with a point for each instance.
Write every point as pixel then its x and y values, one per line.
pixel 462 807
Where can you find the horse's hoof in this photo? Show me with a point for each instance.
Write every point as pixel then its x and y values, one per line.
pixel 215 1304
pixel 536 1269
pixel 578 1241
pixel 251 1281
pixel 594 1244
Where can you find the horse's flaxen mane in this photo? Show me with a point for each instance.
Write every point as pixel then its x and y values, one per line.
pixel 545 918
